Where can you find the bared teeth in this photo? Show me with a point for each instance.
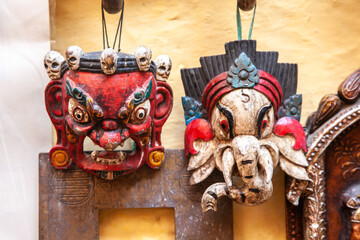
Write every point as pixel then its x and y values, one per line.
pixel 110 175
pixel 94 155
pixel 121 156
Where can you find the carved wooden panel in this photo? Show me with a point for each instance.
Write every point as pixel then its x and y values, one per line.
pixel 342 171
pixel 330 206
pixel 70 200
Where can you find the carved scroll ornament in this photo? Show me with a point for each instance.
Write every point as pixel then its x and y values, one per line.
pixel 110 97
pixel 237 129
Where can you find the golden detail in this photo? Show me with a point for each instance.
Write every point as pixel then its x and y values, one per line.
pixel 156 158
pixel 356 216
pixel 72 138
pixel 60 158
pixel 145 137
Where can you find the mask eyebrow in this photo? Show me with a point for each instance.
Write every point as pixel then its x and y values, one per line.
pixel 142 95
pixel 227 113
pixel 261 116
pixel 75 92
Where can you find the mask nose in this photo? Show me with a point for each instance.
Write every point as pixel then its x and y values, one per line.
pixel 109 125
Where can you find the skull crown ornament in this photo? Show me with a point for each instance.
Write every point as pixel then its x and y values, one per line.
pixel 109 97
pixel 238 123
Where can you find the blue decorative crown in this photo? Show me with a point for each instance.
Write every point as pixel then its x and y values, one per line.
pixel 243 73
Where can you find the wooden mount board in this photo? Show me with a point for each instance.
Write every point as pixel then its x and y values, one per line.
pixel 70 200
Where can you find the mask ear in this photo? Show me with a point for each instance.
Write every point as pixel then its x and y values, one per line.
pixel 197 129
pixel 59 155
pixel 53 101
pixel 288 125
pixel 163 107
pixel 164 102
pixel 54 107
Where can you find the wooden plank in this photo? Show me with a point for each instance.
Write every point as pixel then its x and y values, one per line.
pixel 69 213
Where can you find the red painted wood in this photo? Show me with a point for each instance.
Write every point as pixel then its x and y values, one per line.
pixel 197 129
pixel 214 90
pixel 107 96
pixel 287 125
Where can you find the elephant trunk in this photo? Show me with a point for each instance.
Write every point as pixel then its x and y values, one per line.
pixel 255 165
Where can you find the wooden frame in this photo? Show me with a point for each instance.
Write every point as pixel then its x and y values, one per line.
pixel 70 211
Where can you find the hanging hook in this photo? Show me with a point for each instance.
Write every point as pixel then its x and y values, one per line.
pixel 246 5
pixel 112 6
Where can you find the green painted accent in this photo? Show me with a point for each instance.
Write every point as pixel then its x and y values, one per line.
pixel 75 93
pixel 140 96
pixel 238 20
pixel 148 90
pixel 68 87
pixel 252 22
pixel 133 147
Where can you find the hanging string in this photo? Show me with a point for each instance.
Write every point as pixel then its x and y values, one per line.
pixel 119 27
pixel 252 22
pixel 104 30
pixel 238 22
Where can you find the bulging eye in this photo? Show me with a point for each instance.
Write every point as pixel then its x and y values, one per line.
pixel 224 125
pixel 78 115
pixel 140 114
pixel 77 111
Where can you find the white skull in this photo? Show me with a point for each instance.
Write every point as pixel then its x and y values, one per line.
pixel 73 55
pixel 53 62
pixel 163 67
pixel 108 60
pixel 143 58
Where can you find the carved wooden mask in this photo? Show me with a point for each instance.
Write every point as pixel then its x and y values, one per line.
pixel 242 126
pixel 110 97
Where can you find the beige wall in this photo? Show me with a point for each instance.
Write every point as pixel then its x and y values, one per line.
pixel 321 36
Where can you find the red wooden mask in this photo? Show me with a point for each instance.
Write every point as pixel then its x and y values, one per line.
pixel 113 98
